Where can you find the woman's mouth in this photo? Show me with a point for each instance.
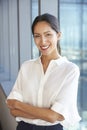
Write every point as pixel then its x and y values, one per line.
pixel 44 47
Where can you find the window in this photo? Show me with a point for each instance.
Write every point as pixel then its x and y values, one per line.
pixel 73 25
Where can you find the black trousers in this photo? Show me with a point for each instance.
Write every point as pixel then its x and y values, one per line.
pixel 26 126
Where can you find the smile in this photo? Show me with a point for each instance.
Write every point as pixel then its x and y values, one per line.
pixel 44 47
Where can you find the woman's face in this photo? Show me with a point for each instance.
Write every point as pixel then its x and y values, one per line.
pixel 45 38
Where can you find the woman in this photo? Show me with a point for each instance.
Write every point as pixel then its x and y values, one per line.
pixel 44 96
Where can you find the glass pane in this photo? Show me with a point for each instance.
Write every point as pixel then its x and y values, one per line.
pixel 34 14
pixel 73 25
pixel 71 2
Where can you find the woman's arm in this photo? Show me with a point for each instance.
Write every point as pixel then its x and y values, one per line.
pixel 19 113
pixel 36 112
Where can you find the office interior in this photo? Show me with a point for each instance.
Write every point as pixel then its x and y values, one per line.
pixel 17 45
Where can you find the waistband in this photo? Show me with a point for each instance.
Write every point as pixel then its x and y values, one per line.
pixel 23 125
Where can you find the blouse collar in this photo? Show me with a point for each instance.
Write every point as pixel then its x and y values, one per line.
pixel 58 61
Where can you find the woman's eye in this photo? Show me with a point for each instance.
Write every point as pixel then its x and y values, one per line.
pixel 48 35
pixel 36 36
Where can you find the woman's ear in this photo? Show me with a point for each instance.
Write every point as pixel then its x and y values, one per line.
pixel 59 35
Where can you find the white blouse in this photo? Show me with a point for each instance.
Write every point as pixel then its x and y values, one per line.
pixel 56 89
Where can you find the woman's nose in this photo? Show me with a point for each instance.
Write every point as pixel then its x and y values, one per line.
pixel 43 39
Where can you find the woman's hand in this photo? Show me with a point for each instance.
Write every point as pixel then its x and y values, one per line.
pixel 12 103
pixel 13 106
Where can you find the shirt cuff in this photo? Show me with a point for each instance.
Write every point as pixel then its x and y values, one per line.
pixel 71 115
pixel 15 95
pixel 59 108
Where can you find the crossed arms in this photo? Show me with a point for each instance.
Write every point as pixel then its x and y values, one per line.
pixel 20 109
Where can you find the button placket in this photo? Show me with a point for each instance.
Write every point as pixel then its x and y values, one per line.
pixel 40 92
pixel 42 83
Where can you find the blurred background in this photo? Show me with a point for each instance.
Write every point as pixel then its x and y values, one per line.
pixel 17 45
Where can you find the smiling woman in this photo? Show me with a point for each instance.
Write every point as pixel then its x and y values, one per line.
pixel 46 32
pixel 45 38
pixel 44 95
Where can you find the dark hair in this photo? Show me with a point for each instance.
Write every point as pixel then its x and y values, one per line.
pixel 53 22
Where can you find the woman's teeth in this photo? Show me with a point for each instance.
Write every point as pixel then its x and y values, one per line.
pixel 44 47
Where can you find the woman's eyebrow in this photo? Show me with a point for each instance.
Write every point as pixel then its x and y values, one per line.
pixel 36 33
pixel 44 32
pixel 47 32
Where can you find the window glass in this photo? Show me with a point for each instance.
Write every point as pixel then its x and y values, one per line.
pixel 73 25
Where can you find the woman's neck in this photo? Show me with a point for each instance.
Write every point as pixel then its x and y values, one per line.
pixel 45 60
pixel 48 58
